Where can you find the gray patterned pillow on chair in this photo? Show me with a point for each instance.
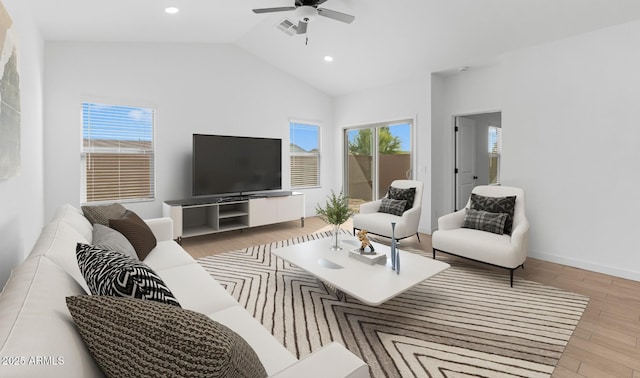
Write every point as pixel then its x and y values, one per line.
pixel 408 195
pixel 496 205
pixel 484 221
pixel 114 274
pixel 391 206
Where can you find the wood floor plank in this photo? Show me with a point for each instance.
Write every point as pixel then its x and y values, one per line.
pixel 562 372
pixel 591 371
pixel 595 359
pixel 598 328
pixel 569 362
pixel 602 345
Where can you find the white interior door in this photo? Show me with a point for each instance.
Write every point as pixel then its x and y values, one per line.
pixel 465 159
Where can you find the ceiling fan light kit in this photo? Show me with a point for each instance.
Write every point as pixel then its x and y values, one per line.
pixel 307 10
pixel 306 13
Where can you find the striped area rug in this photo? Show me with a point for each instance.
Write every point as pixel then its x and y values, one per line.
pixel 464 322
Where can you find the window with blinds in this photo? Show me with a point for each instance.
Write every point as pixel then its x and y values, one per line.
pixel 117 153
pixel 304 152
pixel 495 152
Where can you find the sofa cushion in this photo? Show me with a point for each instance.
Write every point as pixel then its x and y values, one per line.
pixel 408 195
pixel 160 340
pixel 392 206
pixel 210 296
pixel 57 242
pixel 102 213
pixel 484 221
pixel 272 353
pixel 35 323
pixel 167 254
pixel 114 274
pixel 74 218
pixel 107 238
pixel 136 231
pixel 496 205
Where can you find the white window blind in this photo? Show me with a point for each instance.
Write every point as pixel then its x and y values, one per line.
pixel 304 152
pixel 117 153
pixel 495 152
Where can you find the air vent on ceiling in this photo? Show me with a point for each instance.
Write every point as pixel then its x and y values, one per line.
pixel 288 26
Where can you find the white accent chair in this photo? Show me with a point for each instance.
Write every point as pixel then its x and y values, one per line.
pixel 506 251
pixel 380 223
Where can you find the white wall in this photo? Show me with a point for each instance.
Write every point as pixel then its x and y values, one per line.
pixel 199 88
pixel 570 139
pixel 21 197
pixel 408 99
pixel 477 90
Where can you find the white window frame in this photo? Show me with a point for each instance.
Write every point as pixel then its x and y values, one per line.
pixel 306 154
pixel 121 144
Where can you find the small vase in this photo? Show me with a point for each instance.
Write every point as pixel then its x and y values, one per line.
pixel 335 238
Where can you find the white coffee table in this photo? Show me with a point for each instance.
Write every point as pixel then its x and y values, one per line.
pixel 371 284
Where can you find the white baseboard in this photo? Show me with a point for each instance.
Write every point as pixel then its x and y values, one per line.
pixel 587 265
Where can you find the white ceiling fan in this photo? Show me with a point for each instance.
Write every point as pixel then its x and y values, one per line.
pixel 306 10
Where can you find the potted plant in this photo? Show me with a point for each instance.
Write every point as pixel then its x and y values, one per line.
pixel 336 211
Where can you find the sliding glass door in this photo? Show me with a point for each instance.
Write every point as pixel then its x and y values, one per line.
pixel 375 155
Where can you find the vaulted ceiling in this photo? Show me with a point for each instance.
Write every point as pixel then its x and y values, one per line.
pixel 388 41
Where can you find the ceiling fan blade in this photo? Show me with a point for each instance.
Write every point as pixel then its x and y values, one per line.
pixel 338 16
pixel 302 27
pixel 319 2
pixel 270 10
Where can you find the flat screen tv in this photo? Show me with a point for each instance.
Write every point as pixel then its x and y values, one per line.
pixel 224 165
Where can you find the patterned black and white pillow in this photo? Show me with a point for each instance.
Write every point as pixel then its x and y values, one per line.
pixel 391 206
pixel 484 221
pixel 408 195
pixel 114 274
pixel 496 205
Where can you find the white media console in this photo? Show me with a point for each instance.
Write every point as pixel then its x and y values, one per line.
pixel 201 216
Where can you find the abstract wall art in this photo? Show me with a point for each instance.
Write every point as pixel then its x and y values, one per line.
pixel 9 99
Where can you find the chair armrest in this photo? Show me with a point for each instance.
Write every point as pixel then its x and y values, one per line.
pixel 333 360
pixel 162 228
pixel 451 221
pixel 412 216
pixel 370 207
pixel 519 235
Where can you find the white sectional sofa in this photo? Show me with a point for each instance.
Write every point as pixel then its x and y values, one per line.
pixel 38 337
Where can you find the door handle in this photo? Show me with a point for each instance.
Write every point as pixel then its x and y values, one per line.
pixel 475 177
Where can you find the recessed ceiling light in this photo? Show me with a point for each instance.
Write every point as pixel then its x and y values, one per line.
pixel 171 10
pixel 328 58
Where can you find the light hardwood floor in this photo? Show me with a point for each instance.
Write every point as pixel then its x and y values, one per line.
pixel 606 342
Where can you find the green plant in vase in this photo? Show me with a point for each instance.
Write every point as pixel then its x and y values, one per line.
pixel 336 211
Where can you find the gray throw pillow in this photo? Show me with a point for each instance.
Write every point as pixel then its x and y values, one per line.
pixel 114 274
pixel 392 206
pixel 496 205
pixel 102 213
pixel 149 339
pixel 108 238
pixel 408 195
pixel 485 221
